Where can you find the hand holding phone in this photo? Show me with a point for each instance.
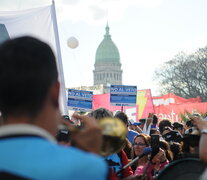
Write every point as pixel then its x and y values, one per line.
pixel 155 144
pixel 160 157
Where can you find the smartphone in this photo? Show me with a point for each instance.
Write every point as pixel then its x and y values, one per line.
pixel 155 142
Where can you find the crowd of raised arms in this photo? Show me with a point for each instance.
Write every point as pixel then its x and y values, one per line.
pixel 34 146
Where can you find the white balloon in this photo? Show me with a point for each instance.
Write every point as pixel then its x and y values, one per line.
pixel 72 42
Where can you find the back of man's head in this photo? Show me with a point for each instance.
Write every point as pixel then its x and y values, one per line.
pixel 142 121
pixel 101 113
pixel 27 71
pixel 122 116
pixel 189 123
pixel 177 126
pixel 163 123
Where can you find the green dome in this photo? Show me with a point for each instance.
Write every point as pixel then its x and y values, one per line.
pixel 107 51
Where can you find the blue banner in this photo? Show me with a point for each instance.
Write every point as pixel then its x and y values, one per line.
pixel 123 95
pixel 80 100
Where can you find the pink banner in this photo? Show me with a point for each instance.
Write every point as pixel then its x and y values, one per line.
pixel 168 106
pixel 143 108
pixel 173 99
pixel 171 106
pixel 174 112
pixel 103 100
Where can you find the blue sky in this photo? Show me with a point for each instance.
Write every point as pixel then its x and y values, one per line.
pixel 146 32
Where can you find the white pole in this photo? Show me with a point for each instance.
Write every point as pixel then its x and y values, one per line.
pixel 59 63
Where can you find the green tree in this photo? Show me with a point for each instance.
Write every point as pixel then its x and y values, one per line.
pixel 184 75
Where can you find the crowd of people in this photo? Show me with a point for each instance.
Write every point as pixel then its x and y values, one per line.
pixel 34 146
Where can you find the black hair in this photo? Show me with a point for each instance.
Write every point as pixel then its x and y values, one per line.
pixel 176 149
pixel 177 125
pixel 27 71
pixel 122 116
pixel 164 123
pixel 166 147
pixel 189 123
pixel 101 113
pixel 153 131
pixel 142 121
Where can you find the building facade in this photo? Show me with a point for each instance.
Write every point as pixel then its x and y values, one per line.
pixel 107 63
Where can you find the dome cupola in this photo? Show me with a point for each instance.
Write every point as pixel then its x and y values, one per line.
pixel 107 52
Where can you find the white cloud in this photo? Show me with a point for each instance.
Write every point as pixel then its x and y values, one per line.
pixel 89 11
pixel 94 11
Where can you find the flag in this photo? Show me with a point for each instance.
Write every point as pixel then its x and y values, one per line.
pixel 144 103
pixel 40 23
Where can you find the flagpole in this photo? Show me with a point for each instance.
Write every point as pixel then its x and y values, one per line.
pixel 59 61
pixel 122 108
pixel 152 101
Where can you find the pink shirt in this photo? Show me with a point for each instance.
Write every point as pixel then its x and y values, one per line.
pixel 140 169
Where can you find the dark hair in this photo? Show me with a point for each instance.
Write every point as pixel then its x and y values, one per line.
pixel 164 123
pixel 142 121
pixel 101 113
pixel 176 149
pixel 27 71
pixel 122 116
pixel 189 123
pixel 128 148
pixel 166 147
pixel 177 125
pixel 153 131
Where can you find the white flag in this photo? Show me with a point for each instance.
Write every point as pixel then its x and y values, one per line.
pixel 40 23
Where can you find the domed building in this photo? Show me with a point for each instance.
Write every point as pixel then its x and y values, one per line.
pixel 107 63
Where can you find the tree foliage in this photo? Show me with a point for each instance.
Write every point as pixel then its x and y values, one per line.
pixel 184 75
pixel 186 116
